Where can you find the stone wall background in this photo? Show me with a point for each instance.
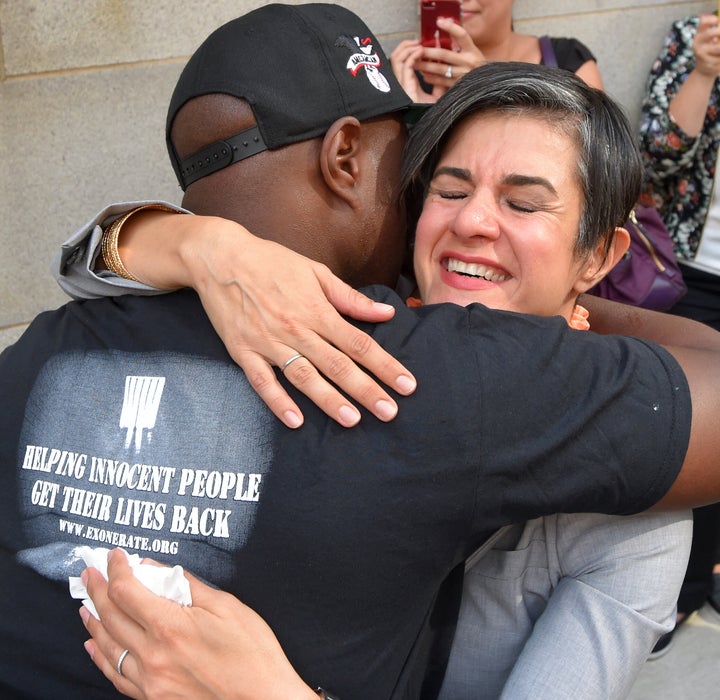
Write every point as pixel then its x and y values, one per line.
pixel 84 87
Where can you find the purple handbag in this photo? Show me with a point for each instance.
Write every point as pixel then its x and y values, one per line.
pixel 648 274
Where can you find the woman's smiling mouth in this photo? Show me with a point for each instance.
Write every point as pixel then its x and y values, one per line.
pixel 474 270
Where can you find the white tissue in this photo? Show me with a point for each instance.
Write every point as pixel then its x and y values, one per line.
pixel 161 580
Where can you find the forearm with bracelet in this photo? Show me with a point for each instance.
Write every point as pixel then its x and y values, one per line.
pixel 109 243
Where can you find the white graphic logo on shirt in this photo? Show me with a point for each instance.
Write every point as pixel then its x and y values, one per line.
pixel 140 407
pixel 153 470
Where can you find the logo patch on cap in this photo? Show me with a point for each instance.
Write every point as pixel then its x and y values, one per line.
pixel 366 59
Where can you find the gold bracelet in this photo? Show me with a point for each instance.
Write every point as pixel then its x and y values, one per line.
pixel 109 242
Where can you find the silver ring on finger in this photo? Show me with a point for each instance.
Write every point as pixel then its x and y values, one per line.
pixel 448 72
pixel 118 667
pixel 297 356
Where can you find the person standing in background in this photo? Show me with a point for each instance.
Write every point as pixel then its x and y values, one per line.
pixel 486 34
pixel 679 139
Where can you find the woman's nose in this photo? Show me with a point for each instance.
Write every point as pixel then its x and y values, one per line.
pixel 477 217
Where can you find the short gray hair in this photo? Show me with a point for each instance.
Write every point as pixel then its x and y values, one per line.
pixel 609 166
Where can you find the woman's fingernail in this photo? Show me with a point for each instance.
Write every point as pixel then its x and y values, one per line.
pixel 348 416
pixel 385 308
pixel 292 419
pixel 386 410
pixel 90 648
pixel 84 614
pixel 84 577
pixel 405 384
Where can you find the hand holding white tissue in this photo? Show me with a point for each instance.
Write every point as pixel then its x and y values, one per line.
pixel 169 582
pixel 216 648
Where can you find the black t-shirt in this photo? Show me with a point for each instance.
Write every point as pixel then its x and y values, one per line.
pixel 570 53
pixel 124 422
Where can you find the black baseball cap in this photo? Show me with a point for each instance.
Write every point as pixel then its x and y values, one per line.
pixel 300 67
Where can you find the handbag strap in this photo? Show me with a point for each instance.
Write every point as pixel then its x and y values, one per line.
pixel 547 52
pixel 644 238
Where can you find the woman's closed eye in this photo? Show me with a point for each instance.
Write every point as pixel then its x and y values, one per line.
pixel 452 195
pixel 447 192
pixel 529 200
pixel 523 206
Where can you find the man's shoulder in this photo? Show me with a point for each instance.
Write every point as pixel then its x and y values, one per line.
pixel 174 321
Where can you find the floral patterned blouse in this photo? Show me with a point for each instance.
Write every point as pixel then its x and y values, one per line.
pixel 680 169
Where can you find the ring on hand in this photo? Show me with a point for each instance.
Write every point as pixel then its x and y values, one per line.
pixel 448 72
pixel 290 361
pixel 118 668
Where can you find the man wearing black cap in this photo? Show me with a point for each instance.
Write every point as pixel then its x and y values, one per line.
pixel 127 423
pixel 339 89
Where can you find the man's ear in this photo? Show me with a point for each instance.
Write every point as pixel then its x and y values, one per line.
pixel 340 161
pixel 599 264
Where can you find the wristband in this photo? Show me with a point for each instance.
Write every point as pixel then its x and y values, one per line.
pixel 326 695
pixel 109 242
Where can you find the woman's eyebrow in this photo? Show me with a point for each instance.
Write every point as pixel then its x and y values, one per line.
pixel 513 179
pixel 518 180
pixel 459 173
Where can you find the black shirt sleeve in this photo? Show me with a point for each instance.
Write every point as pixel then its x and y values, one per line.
pixel 571 54
pixel 552 419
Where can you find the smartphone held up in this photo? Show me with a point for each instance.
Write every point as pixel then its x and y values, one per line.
pixel 432 10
